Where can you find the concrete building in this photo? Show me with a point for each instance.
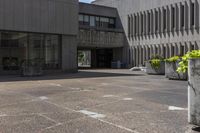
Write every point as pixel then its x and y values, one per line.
pixel 48 33
pixel 101 34
pixel 163 27
pixel 38 32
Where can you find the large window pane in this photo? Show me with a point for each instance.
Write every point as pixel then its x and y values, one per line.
pixel 13 50
pixel 36 47
pixel 81 19
pixel 92 21
pixel 52 48
pixel 86 20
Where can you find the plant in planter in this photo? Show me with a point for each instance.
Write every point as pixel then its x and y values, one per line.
pixel 171 65
pixel 191 62
pixel 155 66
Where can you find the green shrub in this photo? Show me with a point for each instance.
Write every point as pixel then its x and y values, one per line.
pixel 157 57
pixel 183 65
pixel 155 63
pixel 172 59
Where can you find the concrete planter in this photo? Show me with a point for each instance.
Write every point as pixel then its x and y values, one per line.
pixel 194 91
pixel 154 71
pixel 32 71
pixel 171 73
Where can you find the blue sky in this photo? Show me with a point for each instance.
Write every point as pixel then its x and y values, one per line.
pixel 86 1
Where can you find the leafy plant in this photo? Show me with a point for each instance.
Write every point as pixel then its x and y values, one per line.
pixel 183 65
pixel 157 57
pixel 80 56
pixel 172 59
pixel 155 63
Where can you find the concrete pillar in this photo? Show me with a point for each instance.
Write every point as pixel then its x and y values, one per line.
pixel 69 53
pixel 194 92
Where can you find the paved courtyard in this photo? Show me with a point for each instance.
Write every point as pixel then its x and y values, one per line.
pixel 93 101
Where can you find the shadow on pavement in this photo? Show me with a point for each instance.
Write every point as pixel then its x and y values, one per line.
pixel 81 74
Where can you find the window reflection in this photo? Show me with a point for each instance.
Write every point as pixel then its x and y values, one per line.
pixel 16 48
pixel 96 21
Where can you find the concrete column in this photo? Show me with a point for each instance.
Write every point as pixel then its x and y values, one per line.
pixel 69 53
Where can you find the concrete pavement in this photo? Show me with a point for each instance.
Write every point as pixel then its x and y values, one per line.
pixel 93 101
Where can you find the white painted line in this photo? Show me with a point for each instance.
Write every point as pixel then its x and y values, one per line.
pixel 173 108
pixel 3 115
pixel 77 89
pixel 119 126
pixel 43 98
pixel 53 84
pixel 104 84
pixel 107 96
pixel 128 99
pixel 86 90
pixel 92 114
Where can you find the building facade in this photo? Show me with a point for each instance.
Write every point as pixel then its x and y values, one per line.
pixel 35 31
pixel 101 34
pixel 157 27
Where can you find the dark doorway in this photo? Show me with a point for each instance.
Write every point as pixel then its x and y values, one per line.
pixel 104 58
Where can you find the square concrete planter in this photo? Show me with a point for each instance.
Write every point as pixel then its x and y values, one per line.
pixel 171 73
pixel 194 91
pixel 32 71
pixel 155 71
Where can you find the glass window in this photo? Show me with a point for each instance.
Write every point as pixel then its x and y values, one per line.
pixel 129 30
pixel 164 19
pixel 103 19
pixel 141 25
pixel 18 49
pixel 92 21
pixel 135 24
pixel 81 18
pixel 173 17
pixel 86 20
pixel 192 14
pixel 13 50
pixel 97 21
pixel 104 22
pixel 51 50
pixel 156 21
pixel 149 22
pixel 111 23
pixel 182 16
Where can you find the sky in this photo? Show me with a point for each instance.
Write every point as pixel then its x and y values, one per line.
pixel 86 1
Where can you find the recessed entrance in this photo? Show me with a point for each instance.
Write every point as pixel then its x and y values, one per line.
pixel 95 58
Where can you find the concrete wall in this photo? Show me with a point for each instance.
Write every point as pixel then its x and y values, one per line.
pixel 169 42
pixel 91 38
pixel 47 16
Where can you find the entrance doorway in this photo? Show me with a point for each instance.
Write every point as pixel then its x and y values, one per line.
pixel 104 58
pixel 84 58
